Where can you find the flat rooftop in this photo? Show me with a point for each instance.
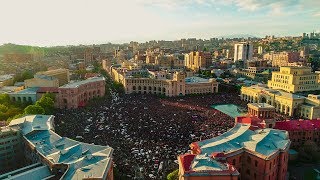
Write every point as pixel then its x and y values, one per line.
pixel 277 92
pixel 262 142
pixel 32 90
pixel 195 80
pixel 261 105
pixel 79 83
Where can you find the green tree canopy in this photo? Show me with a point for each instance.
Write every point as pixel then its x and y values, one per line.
pixel 47 103
pixel 4 99
pixel 3 108
pixel 173 175
pixel 34 109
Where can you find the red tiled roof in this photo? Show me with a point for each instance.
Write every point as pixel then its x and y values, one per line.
pixel 252 120
pixel 186 161
pixel 294 125
pixel 218 154
pixel 48 89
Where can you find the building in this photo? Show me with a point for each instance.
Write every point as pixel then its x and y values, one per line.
pixel 42 81
pixel 260 50
pixel 284 102
pixel 282 58
pixel 162 82
pixel 301 131
pixel 10 149
pixel 243 51
pixel 76 94
pixel 61 74
pixel 197 59
pixel 198 167
pixel 263 111
pixel 294 79
pixel 50 156
pixel 255 154
pixel 25 95
pixel 6 80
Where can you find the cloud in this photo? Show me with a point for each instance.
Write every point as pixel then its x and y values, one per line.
pixel 317 14
pixel 273 6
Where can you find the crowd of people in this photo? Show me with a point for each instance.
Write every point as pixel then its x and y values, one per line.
pixel 147 132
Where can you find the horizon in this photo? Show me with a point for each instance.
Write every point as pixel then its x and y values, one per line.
pixel 80 22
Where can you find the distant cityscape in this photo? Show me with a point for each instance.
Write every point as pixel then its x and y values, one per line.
pixel 188 109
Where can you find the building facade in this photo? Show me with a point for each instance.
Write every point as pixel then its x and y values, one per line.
pixel 162 83
pixel 61 74
pixel 42 81
pixel 282 58
pixel 25 95
pixel 294 79
pixel 10 149
pixel 301 131
pixel 284 102
pixel 260 154
pixel 197 59
pixel 78 93
pixel 243 51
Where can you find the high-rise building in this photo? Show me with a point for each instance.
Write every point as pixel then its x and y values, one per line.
pixel 260 50
pixel 243 51
pixel 197 59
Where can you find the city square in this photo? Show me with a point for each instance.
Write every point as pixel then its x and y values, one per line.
pixel 147 132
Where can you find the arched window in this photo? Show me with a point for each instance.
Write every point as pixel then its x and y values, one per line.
pixel 249 159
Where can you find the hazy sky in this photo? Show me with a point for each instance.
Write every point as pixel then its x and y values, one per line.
pixel 61 22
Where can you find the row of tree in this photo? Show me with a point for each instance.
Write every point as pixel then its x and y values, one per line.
pixel 10 110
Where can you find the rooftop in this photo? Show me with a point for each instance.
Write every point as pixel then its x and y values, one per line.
pixel 204 165
pixel 54 71
pixel 261 105
pixel 48 89
pixel 262 142
pixel 84 160
pixel 276 92
pixel 296 125
pixel 79 83
pixel 194 79
pixel 32 123
pixel 32 90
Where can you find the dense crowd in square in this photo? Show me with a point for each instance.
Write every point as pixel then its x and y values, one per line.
pixel 147 132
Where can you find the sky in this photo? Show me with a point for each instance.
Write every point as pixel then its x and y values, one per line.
pixel 71 22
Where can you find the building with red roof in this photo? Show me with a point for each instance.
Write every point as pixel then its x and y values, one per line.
pixel 204 167
pixel 301 131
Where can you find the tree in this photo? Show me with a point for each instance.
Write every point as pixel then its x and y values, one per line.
pixel 173 175
pixel 3 108
pixel 23 76
pixel 34 109
pixel 47 103
pixel 4 99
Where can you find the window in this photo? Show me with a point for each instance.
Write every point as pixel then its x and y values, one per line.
pixel 249 159
pixel 248 171
pixel 256 163
pixel 234 162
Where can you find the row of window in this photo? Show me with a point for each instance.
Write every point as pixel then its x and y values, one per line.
pixel 308 78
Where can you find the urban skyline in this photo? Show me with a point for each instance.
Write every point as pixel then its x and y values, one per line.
pixel 80 22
